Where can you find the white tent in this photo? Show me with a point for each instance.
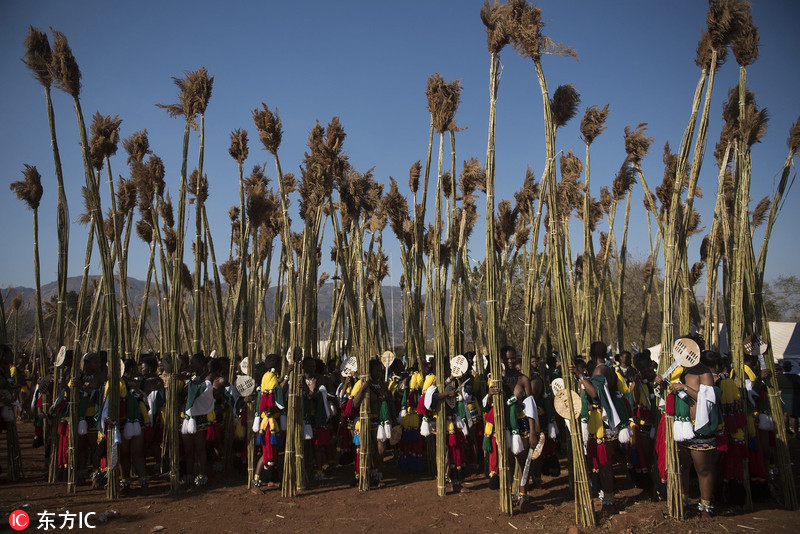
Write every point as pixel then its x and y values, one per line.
pixel 785 341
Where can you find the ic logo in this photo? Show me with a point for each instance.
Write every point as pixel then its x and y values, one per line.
pixel 18 520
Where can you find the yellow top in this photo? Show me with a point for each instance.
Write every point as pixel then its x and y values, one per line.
pixel 356 388
pixel 269 382
pixel 622 384
pixel 430 380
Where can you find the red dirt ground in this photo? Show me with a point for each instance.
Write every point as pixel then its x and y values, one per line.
pixel 404 504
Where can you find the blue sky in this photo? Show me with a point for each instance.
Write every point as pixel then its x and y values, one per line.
pixel 368 62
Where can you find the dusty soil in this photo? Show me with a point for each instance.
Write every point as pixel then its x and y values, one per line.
pixel 403 504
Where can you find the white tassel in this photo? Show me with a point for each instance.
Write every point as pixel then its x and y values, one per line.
pixel 137 428
pixel 127 430
pixel 191 426
pixel 283 423
pixel 257 424
pixel 765 422
pixel 462 425
pixel 552 431
pixel 83 427
pixel 308 432
pixel 652 432
pixel 402 414
pixel 425 428
pixel 384 429
pixel 387 429
pixel 517 445
pixel 625 434
pixel 677 431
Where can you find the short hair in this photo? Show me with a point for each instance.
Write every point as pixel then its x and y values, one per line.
pixel 597 349
pixel 198 359
pixel 272 361
pixel 505 348
pixel 150 360
pixel 710 359
pixel 641 360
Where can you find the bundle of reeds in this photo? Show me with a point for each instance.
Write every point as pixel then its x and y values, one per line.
pixel 495 18
pixel 66 76
pixel 29 190
pixel 745 126
pixel 396 208
pixel 194 93
pixel 783 460
pixel 525 25
pixel 270 132
pixel 38 58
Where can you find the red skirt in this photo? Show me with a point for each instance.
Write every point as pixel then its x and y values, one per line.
pixel 63 444
pixel 322 437
pixel 455 448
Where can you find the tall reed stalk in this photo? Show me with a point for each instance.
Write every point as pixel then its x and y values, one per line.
pixel 194 93
pixel 38 58
pixel 494 18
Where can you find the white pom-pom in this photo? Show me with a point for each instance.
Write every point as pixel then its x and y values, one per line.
pixel 517 445
pixel 688 430
pixel 765 422
pixel 552 430
pixel 191 426
pixel 625 434
pixel 677 431
pixel 463 426
pixel 257 424
pixel 425 428
pixel 83 427
pixel 387 431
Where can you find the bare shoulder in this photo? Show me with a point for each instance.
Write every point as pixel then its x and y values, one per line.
pixel 701 374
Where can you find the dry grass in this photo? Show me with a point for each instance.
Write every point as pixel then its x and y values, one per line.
pixel 593 123
pixel 29 189
pixel 38 56
pixel 64 69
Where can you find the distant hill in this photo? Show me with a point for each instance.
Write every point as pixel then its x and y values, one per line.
pixel 50 290
pixel 391 297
